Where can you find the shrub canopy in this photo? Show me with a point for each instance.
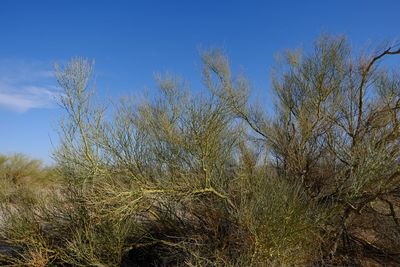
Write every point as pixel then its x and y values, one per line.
pixel 211 180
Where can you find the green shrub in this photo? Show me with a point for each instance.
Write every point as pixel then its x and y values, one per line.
pixel 210 180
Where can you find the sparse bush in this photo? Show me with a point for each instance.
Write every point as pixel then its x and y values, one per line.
pixel 209 180
pixel 22 178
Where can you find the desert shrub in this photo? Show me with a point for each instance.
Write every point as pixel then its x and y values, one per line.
pixel 209 180
pixel 23 178
pixel 337 133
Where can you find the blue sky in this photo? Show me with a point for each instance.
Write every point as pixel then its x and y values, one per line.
pixel 132 40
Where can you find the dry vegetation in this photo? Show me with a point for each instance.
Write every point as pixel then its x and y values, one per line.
pixel 209 180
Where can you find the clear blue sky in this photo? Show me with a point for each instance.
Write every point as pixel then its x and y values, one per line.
pixel 131 40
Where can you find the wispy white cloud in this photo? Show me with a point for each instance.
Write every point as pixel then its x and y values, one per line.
pixel 26 85
pixel 23 98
